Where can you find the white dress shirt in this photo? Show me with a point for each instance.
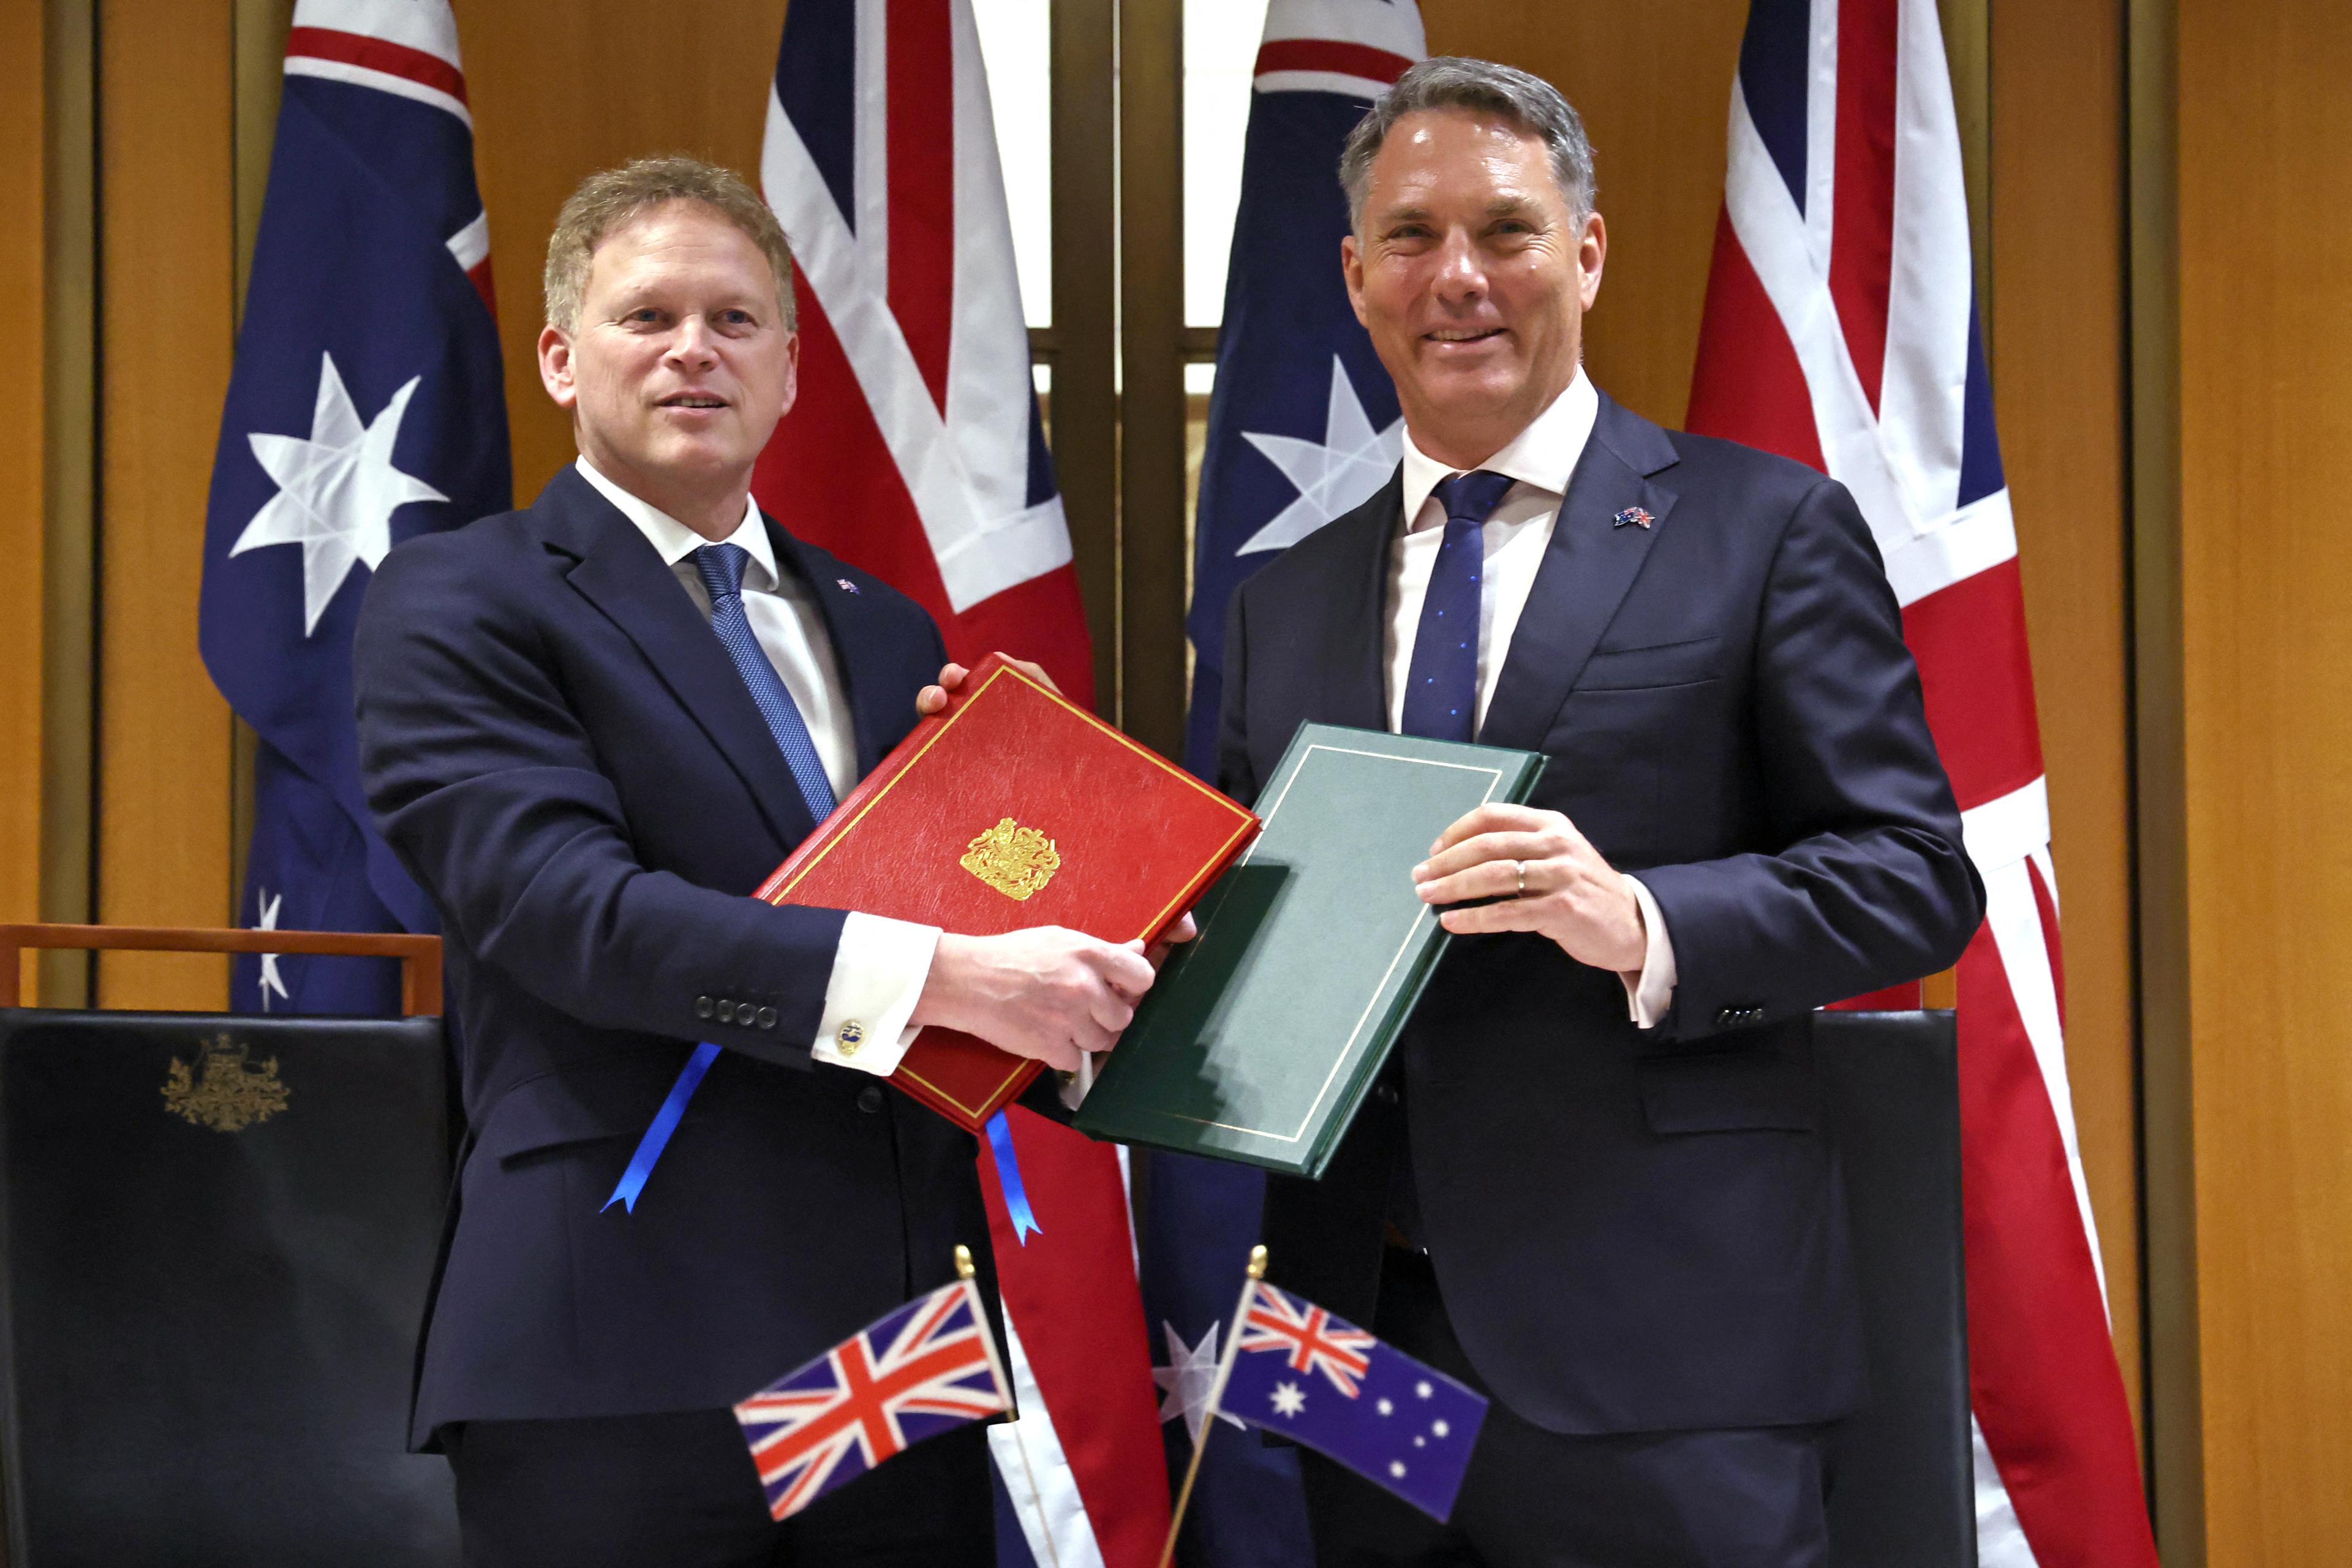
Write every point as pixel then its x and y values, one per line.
pixel 1540 459
pixel 880 966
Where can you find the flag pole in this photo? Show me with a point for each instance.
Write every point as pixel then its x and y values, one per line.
pixel 965 1272
pixel 1216 1393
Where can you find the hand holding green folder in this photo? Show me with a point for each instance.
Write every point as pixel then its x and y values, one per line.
pixel 1262 1036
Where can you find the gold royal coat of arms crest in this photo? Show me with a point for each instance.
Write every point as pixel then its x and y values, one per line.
pixel 1017 861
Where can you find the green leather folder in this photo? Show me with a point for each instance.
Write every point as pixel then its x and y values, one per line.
pixel 1261 1038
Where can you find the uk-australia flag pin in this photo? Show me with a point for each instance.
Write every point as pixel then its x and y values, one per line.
pixel 1638 516
pixel 847 586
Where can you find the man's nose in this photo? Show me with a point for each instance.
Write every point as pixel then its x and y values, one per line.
pixel 692 344
pixel 1461 275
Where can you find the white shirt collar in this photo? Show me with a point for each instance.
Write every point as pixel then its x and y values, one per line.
pixel 1541 456
pixel 674 542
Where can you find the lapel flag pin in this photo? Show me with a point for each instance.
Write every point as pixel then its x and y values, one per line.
pixel 1632 514
pixel 847 586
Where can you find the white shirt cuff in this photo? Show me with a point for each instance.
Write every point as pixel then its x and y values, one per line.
pixel 1650 990
pixel 879 970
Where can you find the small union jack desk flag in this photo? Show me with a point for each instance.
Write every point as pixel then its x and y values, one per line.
pixel 1325 1383
pixel 928 1366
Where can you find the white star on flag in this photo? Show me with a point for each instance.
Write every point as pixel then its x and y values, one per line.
pixel 270 979
pixel 1333 478
pixel 1287 1399
pixel 336 490
pixel 1189 1374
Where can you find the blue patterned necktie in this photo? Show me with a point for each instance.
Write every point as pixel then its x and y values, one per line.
pixel 721 566
pixel 1441 697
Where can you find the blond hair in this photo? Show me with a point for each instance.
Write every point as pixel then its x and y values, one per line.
pixel 610 198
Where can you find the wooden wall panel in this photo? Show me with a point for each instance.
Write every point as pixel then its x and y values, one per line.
pixel 2056 326
pixel 2265 246
pixel 167 249
pixel 1653 83
pixel 22 126
pixel 563 88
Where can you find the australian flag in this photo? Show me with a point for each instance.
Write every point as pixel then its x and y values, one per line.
pixel 1303 426
pixel 1323 1382
pixel 1302 420
pixel 367 405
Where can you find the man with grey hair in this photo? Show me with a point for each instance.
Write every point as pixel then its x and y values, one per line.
pixel 1592 1182
pixel 590 729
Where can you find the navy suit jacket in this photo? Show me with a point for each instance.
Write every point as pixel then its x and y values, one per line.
pixel 1641 1230
pixel 563 755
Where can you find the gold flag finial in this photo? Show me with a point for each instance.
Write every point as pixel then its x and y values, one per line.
pixel 1257 1262
pixel 964 1259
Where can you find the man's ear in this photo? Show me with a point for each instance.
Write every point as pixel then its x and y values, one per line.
pixel 1351 269
pixel 1591 252
pixel 555 367
pixel 791 372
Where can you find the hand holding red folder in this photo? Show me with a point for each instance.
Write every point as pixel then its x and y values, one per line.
pixel 1012 808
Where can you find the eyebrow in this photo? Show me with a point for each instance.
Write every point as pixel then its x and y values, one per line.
pixel 1501 206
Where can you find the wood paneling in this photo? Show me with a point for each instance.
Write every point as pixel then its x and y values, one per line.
pixel 23 126
pixel 2056 330
pixel 561 89
pixel 167 249
pixel 1651 81
pixel 2265 247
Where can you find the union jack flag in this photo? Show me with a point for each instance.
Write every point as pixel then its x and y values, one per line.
pixel 928 1366
pixel 1841 330
pixel 1310 1337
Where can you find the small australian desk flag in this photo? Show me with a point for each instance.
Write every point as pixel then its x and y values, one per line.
pixel 366 404
pixel 1323 1382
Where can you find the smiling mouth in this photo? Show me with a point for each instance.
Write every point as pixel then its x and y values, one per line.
pixel 1463 335
pixel 693 400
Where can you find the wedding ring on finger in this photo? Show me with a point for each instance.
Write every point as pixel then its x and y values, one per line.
pixel 1521 868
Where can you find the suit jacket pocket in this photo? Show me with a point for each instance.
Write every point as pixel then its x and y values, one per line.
pixel 574 1106
pixel 1742 1090
pixel 1663 664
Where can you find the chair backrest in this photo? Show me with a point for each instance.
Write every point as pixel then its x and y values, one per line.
pixel 219 1237
pixel 1903 1494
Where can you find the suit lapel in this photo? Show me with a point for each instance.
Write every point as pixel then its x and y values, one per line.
pixel 879 715
pixel 1584 576
pixel 624 576
pixel 1355 687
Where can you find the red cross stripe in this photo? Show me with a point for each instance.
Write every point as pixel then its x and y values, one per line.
pixel 1313 1340
pixel 928 1369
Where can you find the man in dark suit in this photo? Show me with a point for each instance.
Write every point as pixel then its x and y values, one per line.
pixel 590 729
pixel 1592 1181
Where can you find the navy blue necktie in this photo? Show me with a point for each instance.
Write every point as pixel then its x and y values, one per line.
pixel 721 566
pixel 1441 697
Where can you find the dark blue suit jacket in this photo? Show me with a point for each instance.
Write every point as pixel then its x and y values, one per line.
pixel 564 757
pixel 1641 1230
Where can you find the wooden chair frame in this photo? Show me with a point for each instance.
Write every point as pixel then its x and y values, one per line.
pixel 420 956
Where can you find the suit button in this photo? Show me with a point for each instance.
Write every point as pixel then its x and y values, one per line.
pixel 702 1008
pixel 726 1010
pixel 869 1100
pixel 767 1018
pixel 1385 1093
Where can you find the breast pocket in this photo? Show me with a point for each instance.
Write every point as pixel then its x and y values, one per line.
pixel 1682 663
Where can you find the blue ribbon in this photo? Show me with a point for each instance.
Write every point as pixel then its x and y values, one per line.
pixel 657 1131
pixel 1008 1176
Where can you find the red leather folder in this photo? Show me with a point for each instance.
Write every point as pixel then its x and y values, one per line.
pixel 1012 808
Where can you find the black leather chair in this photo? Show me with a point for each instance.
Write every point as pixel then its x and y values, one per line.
pixel 219 1238
pixel 1902 1494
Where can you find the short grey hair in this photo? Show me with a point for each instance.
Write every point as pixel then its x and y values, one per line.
pixel 1449 81
pixel 608 200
